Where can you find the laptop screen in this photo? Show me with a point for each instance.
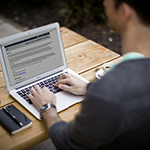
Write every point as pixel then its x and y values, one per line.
pixel 31 56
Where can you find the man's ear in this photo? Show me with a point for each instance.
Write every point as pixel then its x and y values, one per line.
pixel 127 11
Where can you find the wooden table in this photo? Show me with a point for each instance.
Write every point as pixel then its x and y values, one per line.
pixel 84 57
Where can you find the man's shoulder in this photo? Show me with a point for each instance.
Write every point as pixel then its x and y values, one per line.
pixel 125 79
pixel 134 64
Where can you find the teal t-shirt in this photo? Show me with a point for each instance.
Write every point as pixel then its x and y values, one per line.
pixel 129 56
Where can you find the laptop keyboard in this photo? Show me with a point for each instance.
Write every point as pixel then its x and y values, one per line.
pixel 49 83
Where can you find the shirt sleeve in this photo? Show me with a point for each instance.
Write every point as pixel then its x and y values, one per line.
pixel 96 124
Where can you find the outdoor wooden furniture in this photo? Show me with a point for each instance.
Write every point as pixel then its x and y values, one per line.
pixel 84 57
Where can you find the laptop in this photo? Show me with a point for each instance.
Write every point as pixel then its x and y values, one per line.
pixel 36 57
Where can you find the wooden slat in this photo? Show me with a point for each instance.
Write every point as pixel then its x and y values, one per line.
pixel 91 74
pixel 70 37
pixel 70 113
pixel 5 98
pixel 88 54
pixel 0 68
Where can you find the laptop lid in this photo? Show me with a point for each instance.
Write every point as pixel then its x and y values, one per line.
pixel 32 55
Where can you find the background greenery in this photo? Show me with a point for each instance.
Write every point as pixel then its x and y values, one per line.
pixel 69 12
pixel 73 12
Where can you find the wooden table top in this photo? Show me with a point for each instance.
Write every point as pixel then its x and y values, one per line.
pixel 84 57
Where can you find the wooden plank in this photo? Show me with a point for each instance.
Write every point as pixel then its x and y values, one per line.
pixel 33 135
pixel 87 55
pixel 5 98
pixel 70 37
pixel 0 68
pixel 70 113
pixel 91 74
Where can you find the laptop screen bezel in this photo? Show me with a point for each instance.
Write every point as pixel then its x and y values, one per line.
pixel 23 35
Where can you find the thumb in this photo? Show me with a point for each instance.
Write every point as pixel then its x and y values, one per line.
pixel 64 87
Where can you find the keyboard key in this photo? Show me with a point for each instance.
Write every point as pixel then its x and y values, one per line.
pixel 49 83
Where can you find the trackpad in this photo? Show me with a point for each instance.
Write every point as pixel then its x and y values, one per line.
pixel 65 99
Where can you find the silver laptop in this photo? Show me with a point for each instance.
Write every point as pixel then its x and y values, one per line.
pixel 36 57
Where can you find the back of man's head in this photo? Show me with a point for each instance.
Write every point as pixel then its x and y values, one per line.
pixel 141 7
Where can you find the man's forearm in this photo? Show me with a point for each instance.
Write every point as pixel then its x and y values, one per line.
pixel 50 117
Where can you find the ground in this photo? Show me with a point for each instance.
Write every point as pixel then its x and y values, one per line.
pixel 34 15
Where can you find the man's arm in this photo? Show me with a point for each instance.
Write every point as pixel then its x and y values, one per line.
pixel 96 125
pixel 43 96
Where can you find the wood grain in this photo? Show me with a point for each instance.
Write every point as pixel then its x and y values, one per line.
pixel 70 37
pixel 87 55
pixel 91 74
pixel 5 98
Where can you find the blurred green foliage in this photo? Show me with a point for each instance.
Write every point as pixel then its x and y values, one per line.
pixel 30 2
pixel 71 12
pixel 82 11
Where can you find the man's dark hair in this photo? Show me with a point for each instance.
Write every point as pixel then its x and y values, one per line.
pixel 140 6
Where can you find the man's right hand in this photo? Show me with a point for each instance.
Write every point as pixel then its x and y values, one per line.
pixel 76 86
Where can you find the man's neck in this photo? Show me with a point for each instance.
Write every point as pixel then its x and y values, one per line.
pixel 136 39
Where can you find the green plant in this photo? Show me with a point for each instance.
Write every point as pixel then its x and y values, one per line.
pixel 81 11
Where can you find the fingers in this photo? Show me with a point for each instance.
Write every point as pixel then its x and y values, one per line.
pixel 63 76
pixel 62 81
pixel 33 91
pixel 37 88
pixel 41 96
pixel 30 96
pixel 65 87
pixel 46 89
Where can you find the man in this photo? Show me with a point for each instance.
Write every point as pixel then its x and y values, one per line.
pixel 115 112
